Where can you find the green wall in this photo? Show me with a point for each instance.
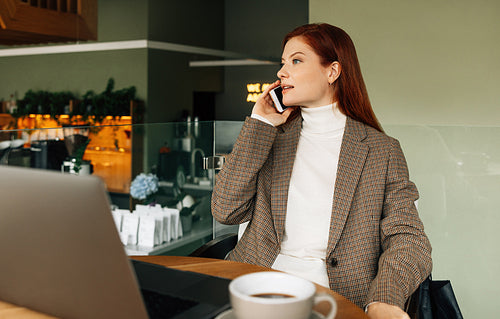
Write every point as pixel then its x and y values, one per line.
pixel 255 28
pixel 120 20
pixel 75 72
pixel 171 82
pixel 431 71
pixel 80 72
pixel 424 62
pixel 190 22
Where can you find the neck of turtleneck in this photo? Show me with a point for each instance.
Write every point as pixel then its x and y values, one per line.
pixel 323 120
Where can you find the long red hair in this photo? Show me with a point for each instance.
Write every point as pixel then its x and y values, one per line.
pixel 334 44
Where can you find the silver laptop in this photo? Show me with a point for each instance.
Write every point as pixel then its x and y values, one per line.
pixel 61 254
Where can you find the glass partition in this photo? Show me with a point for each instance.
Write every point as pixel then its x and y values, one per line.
pixel 226 133
pixel 457 172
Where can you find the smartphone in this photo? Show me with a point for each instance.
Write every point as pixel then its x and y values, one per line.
pixel 277 96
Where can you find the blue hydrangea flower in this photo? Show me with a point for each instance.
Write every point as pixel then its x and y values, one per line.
pixel 144 185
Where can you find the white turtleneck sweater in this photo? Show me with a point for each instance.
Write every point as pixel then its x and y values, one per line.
pixel 310 194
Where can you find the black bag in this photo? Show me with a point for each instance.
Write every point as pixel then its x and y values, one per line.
pixel 434 299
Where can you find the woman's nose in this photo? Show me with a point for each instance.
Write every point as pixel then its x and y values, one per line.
pixel 281 72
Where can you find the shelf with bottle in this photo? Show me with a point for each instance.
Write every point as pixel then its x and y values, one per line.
pixel 109 149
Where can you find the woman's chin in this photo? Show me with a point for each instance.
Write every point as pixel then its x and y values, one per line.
pixel 288 103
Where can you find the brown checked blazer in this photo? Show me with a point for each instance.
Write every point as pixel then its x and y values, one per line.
pixel 377 248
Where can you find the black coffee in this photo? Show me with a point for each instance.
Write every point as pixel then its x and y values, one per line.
pixel 272 295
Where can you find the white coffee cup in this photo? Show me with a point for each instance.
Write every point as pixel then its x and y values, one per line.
pixel 275 295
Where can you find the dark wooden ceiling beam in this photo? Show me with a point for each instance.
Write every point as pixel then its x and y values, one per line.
pixel 29 23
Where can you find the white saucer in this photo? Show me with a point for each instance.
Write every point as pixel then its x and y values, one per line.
pixel 228 314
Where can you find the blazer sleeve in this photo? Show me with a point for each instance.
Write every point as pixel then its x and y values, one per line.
pixel 406 251
pixel 233 196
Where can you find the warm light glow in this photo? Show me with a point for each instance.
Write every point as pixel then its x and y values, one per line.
pixel 253 87
pixel 255 90
pixel 252 97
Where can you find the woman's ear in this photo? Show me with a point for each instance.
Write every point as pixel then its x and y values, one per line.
pixel 334 71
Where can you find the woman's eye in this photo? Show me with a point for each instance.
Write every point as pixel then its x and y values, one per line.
pixel 296 61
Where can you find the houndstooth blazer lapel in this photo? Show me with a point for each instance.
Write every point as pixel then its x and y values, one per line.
pixel 284 150
pixel 353 153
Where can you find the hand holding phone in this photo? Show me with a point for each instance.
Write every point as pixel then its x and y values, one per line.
pixel 277 96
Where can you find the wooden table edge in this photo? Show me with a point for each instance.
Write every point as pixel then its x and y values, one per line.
pixel 218 268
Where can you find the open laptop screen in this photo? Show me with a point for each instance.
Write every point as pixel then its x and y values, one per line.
pixel 61 253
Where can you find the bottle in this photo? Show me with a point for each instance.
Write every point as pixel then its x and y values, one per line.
pixel 187 140
pixel 196 127
pixel 12 106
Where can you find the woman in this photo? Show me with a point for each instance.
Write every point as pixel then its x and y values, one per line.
pixel 325 191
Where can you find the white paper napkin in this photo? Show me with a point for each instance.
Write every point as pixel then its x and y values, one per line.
pixel 130 229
